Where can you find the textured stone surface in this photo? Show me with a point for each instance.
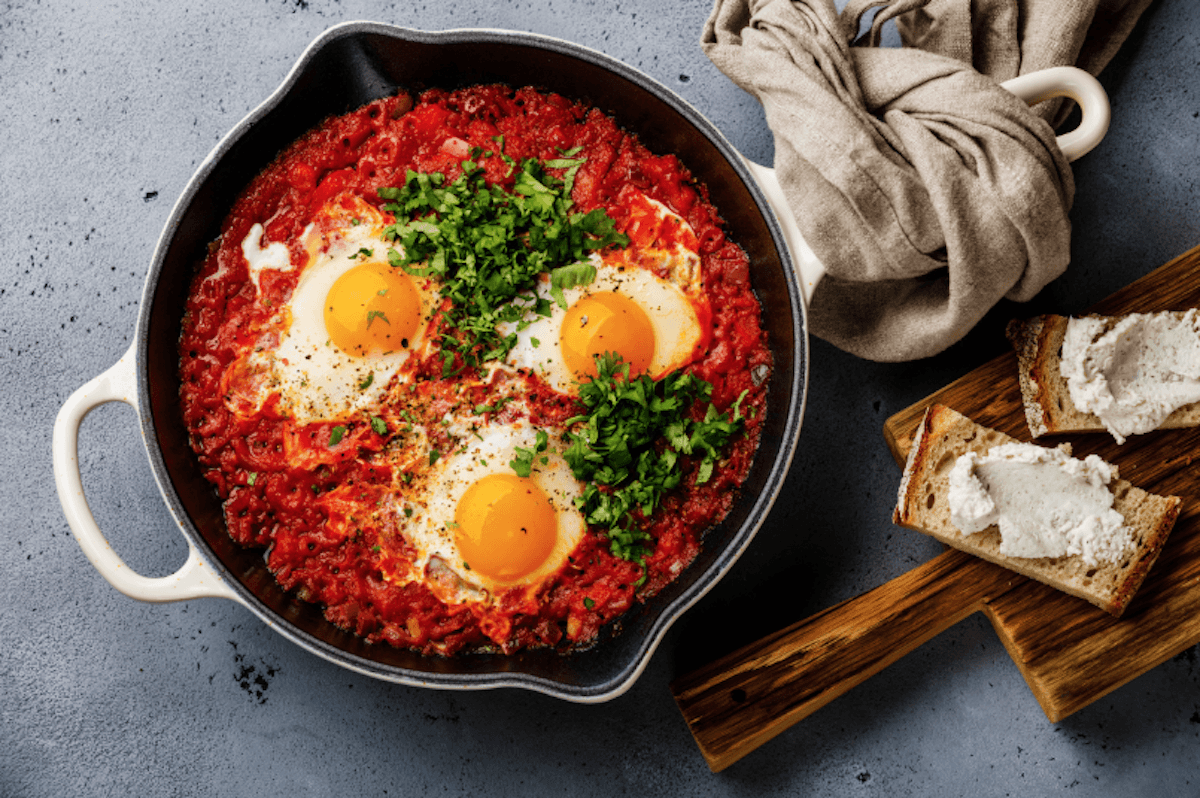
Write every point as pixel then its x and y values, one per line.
pixel 107 108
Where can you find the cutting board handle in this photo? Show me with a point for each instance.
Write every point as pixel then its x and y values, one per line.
pixel 741 701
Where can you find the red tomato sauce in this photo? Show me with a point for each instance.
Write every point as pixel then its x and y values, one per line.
pixel 286 489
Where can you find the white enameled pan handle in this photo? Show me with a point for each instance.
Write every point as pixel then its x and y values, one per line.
pixel 808 266
pixel 195 579
pixel 1080 86
pixel 1033 88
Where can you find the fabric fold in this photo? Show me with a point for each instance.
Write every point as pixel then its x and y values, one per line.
pixel 928 191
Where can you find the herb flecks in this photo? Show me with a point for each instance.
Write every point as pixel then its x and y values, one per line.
pixel 487 245
pixel 336 434
pixel 570 276
pixel 522 464
pixel 613 449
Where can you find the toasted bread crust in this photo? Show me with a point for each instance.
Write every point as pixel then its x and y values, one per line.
pixel 1048 407
pixel 923 506
pixel 1044 393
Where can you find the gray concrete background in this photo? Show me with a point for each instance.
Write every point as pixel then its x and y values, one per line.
pixel 106 108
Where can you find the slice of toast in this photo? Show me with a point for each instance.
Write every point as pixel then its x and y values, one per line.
pixel 1048 406
pixel 923 505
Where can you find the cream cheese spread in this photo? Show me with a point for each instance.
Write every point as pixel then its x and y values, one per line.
pixel 1045 502
pixel 1136 374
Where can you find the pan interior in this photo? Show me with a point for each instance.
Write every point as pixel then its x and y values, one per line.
pixel 347 68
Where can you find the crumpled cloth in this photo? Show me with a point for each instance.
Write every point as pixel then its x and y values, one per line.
pixel 927 191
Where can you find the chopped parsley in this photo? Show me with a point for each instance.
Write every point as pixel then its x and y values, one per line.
pixel 495 407
pixel 522 464
pixel 588 602
pixel 366 383
pixel 377 314
pixel 614 452
pixel 487 246
pixel 336 434
pixel 434 454
pixel 570 276
pixel 379 425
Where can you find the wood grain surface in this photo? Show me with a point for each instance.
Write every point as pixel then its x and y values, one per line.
pixel 1069 652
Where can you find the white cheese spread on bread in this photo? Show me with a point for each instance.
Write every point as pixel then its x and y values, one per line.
pixel 1045 503
pixel 1135 374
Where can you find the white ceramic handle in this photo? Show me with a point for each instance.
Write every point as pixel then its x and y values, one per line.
pixel 195 579
pixel 1080 86
pixel 1064 81
pixel 808 265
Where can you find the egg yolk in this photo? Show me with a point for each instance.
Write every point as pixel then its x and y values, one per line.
pixel 506 527
pixel 372 309
pixel 606 322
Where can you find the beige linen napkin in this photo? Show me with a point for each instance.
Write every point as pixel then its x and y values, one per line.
pixel 928 192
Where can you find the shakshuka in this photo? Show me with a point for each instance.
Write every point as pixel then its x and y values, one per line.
pixel 476 369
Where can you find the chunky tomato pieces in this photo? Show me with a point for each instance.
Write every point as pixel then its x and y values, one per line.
pixel 297 506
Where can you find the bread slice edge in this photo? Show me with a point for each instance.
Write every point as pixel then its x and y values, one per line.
pixel 1045 396
pixel 922 505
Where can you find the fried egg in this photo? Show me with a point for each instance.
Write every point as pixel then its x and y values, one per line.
pixel 478 529
pixel 646 303
pixel 351 324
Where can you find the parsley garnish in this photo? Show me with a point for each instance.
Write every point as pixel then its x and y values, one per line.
pixel 336 434
pixel 251 478
pixel 496 407
pixel 487 246
pixel 434 454
pixel 366 383
pixel 570 276
pixel 588 602
pixel 377 314
pixel 614 450
pixel 522 464
pixel 362 252
pixel 379 425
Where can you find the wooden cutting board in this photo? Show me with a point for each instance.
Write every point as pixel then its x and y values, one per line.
pixel 1070 652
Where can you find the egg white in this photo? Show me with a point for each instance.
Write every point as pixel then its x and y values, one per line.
pixel 670 308
pixel 317 381
pixel 425 513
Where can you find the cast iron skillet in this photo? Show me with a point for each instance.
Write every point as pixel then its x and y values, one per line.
pixel 344 68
